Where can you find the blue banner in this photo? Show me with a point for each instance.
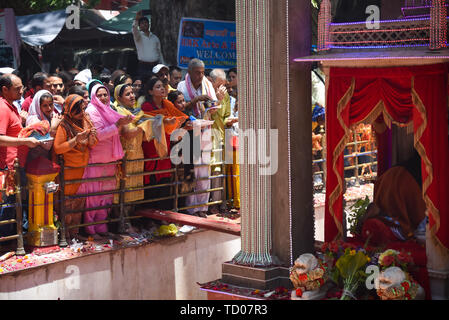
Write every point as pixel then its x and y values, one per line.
pixel 212 41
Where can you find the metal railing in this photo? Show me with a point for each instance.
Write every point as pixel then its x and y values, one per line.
pixel 18 220
pixel 121 177
pixel 355 167
pixel 175 193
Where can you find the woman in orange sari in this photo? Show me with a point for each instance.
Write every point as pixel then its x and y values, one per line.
pixel 74 137
pixel 157 104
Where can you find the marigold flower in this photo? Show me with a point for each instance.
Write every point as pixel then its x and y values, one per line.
pixel 352 252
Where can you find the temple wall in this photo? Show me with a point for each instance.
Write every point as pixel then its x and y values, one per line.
pixel 165 270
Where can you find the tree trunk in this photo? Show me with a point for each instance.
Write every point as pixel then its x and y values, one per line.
pixel 167 14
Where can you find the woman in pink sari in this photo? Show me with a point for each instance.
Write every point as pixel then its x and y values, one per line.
pixel 108 124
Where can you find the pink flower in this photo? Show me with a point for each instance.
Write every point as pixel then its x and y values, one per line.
pixel 334 247
pixel 387 261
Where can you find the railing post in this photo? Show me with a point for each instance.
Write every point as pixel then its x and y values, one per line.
pixel 356 163
pixel 224 204
pixel 175 200
pixel 62 236
pixel 19 213
pixel 123 178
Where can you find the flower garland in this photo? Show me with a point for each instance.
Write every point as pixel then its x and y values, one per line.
pixel 311 280
pixel 393 258
pixel 406 291
pixel 341 256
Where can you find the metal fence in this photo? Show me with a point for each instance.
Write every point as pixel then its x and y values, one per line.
pixel 117 213
pixel 18 220
pixel 353 168
pixel 175 194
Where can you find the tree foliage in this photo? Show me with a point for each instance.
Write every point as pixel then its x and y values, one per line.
pixel 26 7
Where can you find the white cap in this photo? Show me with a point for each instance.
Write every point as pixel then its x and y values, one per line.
pixel 84 76
pixel 6 70
pixel 158 68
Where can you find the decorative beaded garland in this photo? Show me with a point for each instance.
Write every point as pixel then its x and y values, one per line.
pixel 406 291
pixel 324 21
pixel 438 25
pixel 255 114
pixel 288 138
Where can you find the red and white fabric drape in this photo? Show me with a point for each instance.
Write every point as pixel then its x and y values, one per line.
pixel 416 97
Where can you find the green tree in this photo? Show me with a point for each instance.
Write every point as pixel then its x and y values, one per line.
pixel 26 7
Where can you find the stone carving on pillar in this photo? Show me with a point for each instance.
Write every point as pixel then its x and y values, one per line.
pixel 253 23
pixel 438 25
pixel 324 21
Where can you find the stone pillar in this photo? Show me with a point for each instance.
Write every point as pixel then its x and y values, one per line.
pixel 274 92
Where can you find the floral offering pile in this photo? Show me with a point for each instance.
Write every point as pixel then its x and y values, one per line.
pixel 351 267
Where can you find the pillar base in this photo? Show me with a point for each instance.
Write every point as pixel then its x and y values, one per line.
pixel 43 237
pixel 256 278
pixel 439 284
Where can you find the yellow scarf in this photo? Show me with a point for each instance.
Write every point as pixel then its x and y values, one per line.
pixel 152 126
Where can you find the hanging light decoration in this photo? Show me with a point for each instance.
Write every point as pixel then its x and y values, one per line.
pixel 438 25
pixel 324 21
pixel 253 20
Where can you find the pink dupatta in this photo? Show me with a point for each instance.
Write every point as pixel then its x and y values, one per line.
pixel 103 116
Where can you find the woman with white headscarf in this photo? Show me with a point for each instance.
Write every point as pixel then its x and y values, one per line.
pixel 43 119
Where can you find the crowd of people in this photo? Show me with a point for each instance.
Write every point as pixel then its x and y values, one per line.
pixel 93 117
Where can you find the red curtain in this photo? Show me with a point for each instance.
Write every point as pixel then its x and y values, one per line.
pixel 408 96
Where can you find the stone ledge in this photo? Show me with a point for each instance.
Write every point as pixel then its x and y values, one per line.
pixel 68 255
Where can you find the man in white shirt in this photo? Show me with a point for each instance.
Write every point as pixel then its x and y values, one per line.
pixel 148 46
pixel 196 88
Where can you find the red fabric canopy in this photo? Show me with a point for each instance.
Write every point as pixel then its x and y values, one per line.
pixel 415 97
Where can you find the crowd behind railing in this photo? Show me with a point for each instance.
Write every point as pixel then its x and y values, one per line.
pixel 360 157
pixel 110 139
pixel 111 144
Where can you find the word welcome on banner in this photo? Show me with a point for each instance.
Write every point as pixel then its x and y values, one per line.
pixel 212 41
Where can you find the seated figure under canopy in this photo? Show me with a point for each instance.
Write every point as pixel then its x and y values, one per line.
pixel 397 212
